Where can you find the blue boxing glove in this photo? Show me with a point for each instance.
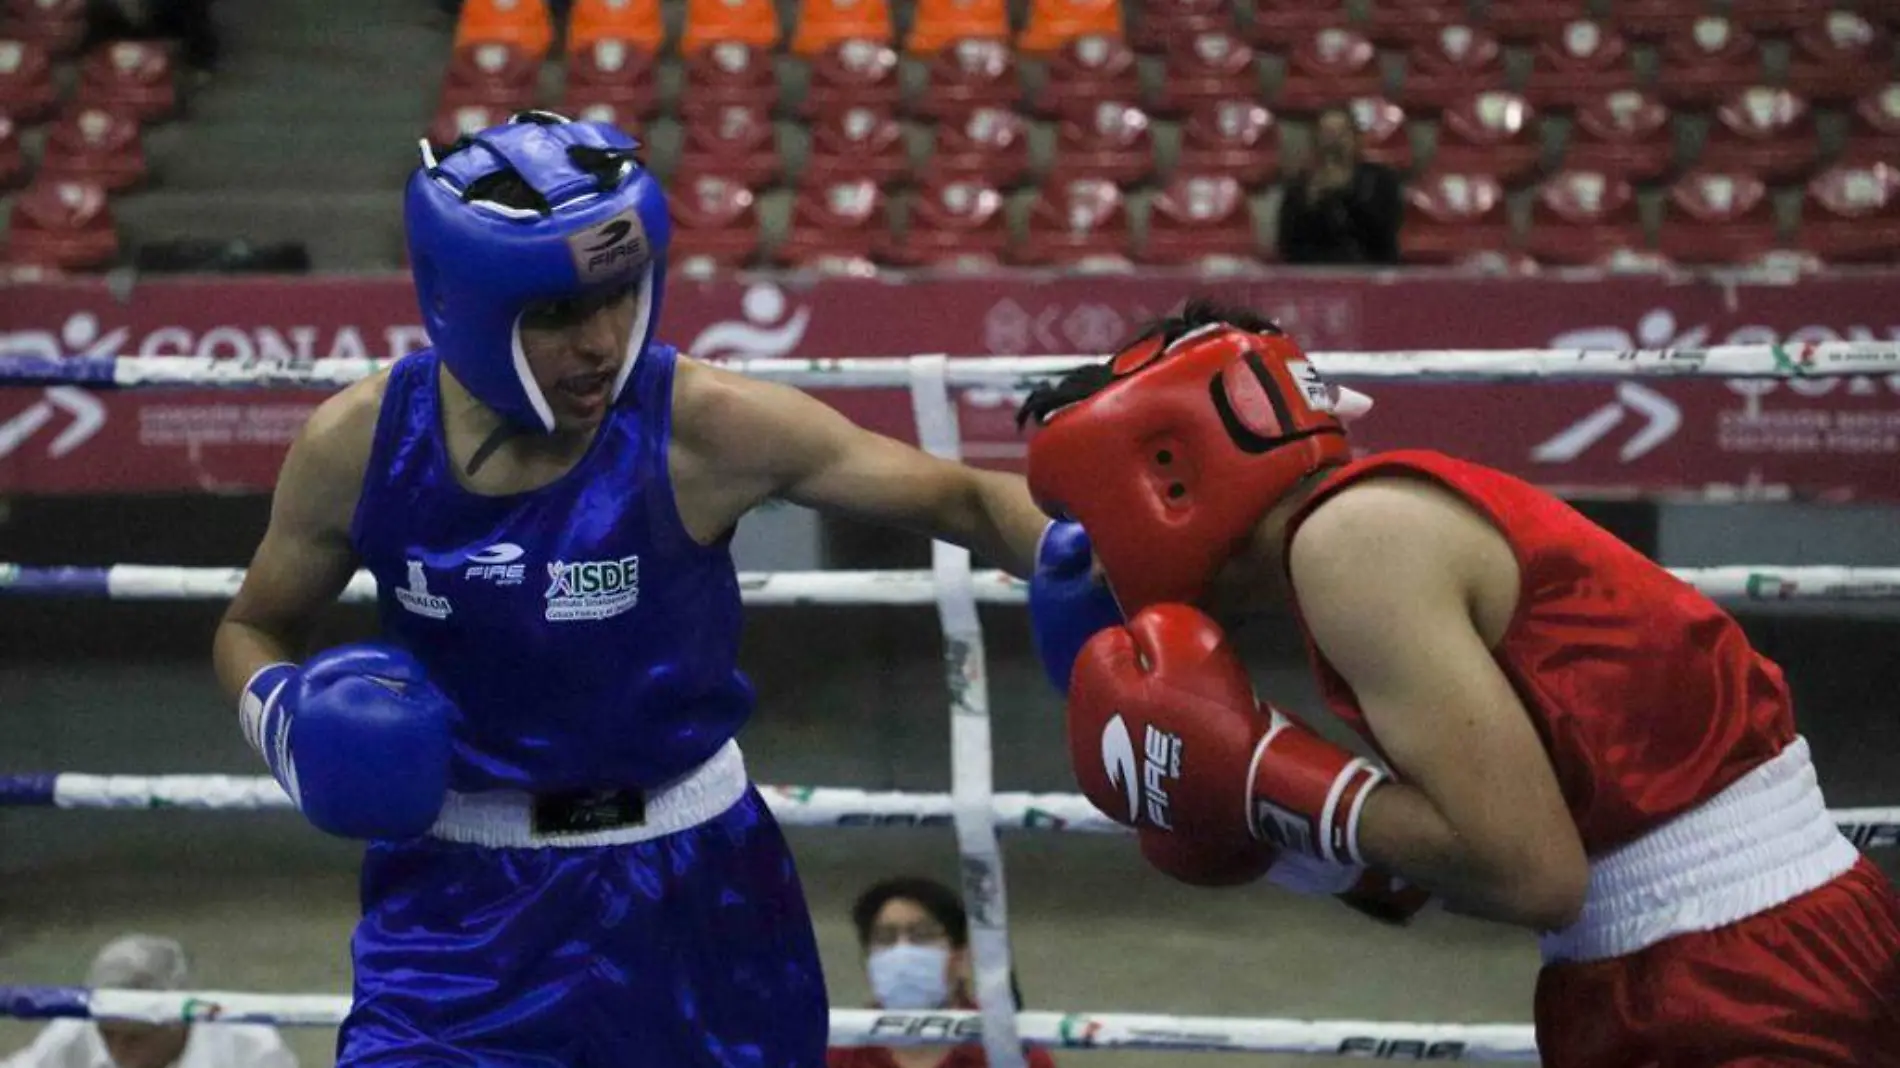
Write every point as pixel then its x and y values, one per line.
pixel 1066 605
pixel 358 737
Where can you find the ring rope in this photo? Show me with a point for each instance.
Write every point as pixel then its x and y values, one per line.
pixel 872 1027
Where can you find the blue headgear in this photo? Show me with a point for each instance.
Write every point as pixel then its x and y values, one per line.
pixel 540 208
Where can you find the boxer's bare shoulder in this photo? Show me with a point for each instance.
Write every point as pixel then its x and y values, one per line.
pixel 323 472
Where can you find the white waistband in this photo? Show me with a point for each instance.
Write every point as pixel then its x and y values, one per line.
pixel 504 819
pixel 1764 840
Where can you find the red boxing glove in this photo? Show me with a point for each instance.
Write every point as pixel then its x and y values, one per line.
pixel 1307 793
pixel 1206 862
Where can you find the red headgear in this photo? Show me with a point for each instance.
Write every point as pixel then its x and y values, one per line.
pixel 1169 466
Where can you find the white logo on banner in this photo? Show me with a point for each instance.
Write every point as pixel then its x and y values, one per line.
pixel 1662 415
pixel 88 415
pixel 762 335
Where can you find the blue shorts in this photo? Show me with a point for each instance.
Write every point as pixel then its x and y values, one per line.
pixel 691 949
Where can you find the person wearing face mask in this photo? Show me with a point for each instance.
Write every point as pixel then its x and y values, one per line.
pixel 1340 209
pixel 916 942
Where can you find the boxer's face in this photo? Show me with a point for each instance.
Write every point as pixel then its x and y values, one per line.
pixel 135 1045
pixel 575 349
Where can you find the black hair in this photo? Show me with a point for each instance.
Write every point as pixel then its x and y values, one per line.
pixel 942 903
pixel 1084 382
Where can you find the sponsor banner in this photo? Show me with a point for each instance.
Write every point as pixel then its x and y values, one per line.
pixel 1835 438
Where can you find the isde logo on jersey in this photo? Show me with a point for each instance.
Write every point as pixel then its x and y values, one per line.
pixel 416 597
pixel 497 564
pixel 592 589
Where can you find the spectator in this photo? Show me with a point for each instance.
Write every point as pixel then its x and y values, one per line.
pixel 1340 209
pixel 143 962
pixel 916 942
pixel 187 22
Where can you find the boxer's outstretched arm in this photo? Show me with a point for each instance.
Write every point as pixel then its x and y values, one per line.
pixel 1388 576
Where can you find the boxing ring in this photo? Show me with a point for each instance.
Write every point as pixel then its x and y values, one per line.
pixel 973 809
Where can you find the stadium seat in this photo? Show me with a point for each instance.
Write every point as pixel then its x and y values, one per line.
pixel 92 146
pixel 1624 134
pixel 1084 72
pixel 1162 22
pixel 734 142
pixel 1382 132
pixel 1197 218
pixel 1400 23
pixel 1204 68
pixel 634 22
pixel 131 77
pixel 856 143
pixel 1778 17
pixel 1331 66
pixel 1717 217
pixel 1054 23
pixel 614 73
pixel 1455 63
pixel 714 22
pixel 1579 63
pixel 1710 61
pixel 498 75
pixel 1765 131
pixel 824 23
pixel 1520 21
pixel 1083 223
pixel 13 166
pixel 844 226
pixel 1114 144
pixel 56 26
pixel 451 123
pixel 853 74
pixel 65 225
pixel 1279 25
pixel 1655 20
pixel 972 73
pixel 1841 57
pixel 1582 218
pixel 1235 137
pixel 1851 214
pixel 1873 129
pixel 1490 133
pixel 990 145
pixel 715 220
pixel 524 24
pixel 954 224
pixel 1454 218
pixel 728 74
pixel 939 24
pixel 27 90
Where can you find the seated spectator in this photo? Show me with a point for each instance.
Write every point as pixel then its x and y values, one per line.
pixel 145 962
pixel 186 21
pixel 1339 209
pixel 916 942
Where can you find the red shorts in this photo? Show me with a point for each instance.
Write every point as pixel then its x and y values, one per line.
pixel 1812 982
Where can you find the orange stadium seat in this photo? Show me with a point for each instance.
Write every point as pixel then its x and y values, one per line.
pixel 1625 134
pixel 715 221
pixel 522 23
pixel 13 165
pixel 1765 131
pixel 1114 143
pixel 1839 58
pixel 451 123
pixel 492 73
pixel 939 24
pixel 841 226
pixel 1453 218
pixel 856 143
pixel 1450 66
pixel 132 77
pixel 1773 16
pixel 1084 72
pixel 1331 66
pixel 1053 23
pixel 1654 20
pixel 1236 137
pixel 1282 24
pixel 65 225
pixel 1717 217
pixel 1493 133
pixel 1579 63
pixel 955 224
pixel 1873 128
pixel 632 22
pixel 711 22
pixel 728 74
pixel 1382 132
pixel 611 72
pixel 1082 223
pixel 93 146
pixel 823 23
pixel 1531 20
pixel 1582 218
pixel 1161 22
pixel 735 142
pixel 1851 214
pixel 990 145
pixel 1399 23
pixel 1209 66
pixel 1711 60
pixel 1196 218
pixel 853 74
pixel 970 74
pixel 27 90
pixel 58 26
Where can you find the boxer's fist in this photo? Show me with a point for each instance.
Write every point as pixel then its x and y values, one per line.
pixel 1375 893
pixel 358 737
pixel 1066 605
pixel 1209 862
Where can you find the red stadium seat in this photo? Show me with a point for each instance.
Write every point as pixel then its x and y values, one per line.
pixel 1840 58
pixel 824 24
pixel 1491 133
pixel 853 74
pixel 1773 16
pixel 1084 224
pixel 1051 24
pixel 728 74
pixel 1282 24
pixel 1766 131
pixel 1716 217
pixel 92 146
pixel 1442 70
pixel 1235 137
pixel 493 74
pixel 715 222
pixel 1085 72
pixel 65 225
pixel 1206 67
pixel 131 77
pixel 13 166
pixel 1454 218
pixel 1382 132
pixel 1581 218
pixel 1162 22
pixel 735 142
pixel 955 224
pixel 1873 130
pixel 856 143
pixel 27 90
pixel 1198 218
pixel 1624 134
pixel 1532 20
pixel 1579 63
pixel 837 227
pixel 452 123
pixel 1852 215
pixel 990 146
pixel 1331 66
pixel 1654 20
pixel 939 24
pixel 613 73
pixel 1399 23
pixel 57 26
pixel 1710 61
pixel 1114 144
pixel 970 74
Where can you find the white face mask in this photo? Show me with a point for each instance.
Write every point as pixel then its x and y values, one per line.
pixel 910 977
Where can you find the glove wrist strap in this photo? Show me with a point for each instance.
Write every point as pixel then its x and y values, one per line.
pixel 265 685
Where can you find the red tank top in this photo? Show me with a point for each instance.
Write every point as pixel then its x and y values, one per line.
pixel 1648 697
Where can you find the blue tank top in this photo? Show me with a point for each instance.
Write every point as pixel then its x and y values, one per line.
pixel 586 639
